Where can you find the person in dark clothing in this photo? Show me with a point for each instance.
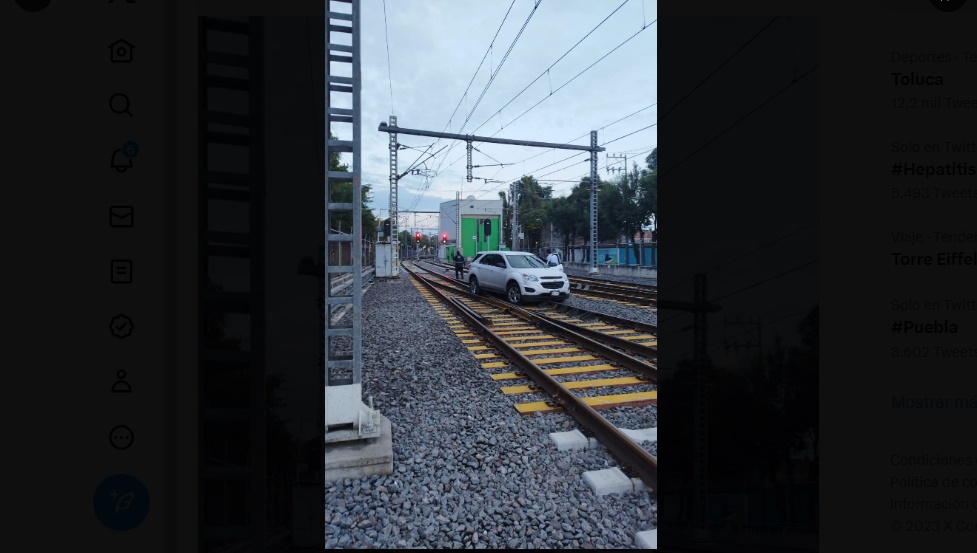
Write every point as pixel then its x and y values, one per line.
pixel 459 265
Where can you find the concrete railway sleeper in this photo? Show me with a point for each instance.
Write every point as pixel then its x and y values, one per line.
pixel 583 410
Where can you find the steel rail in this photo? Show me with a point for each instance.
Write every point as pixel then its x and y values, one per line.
pixel 607 285
pixel 601 281
pixel 645 302
pixel 635 325
pixel 618 443
pixel 573 332
pixel 549 323
pixel 579 336
pixel 594 340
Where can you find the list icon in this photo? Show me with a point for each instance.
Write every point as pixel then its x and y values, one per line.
pixel 121 271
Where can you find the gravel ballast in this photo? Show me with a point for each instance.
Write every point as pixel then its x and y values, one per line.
pixel 469 471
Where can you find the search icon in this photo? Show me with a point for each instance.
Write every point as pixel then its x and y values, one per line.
pixel 119 103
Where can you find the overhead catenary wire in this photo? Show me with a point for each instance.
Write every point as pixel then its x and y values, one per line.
pixel 386 39
pixel 547 70
pixel 444 159
pixel 540 178
pixel 674 166
pixel 755 284
pixel 464 95
pixel 721 65
pixel 495 72
pixel 570 142
pixel 793 314
pixel 629 134
pixel 575 77
pixel 529 173
pixel 745 254
pixel 563 85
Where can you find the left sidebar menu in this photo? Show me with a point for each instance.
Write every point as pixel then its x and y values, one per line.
pixel 83 220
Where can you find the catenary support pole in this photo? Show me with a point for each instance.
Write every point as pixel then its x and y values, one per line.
pixel 593 203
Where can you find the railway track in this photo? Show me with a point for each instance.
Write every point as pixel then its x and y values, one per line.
pixel 647 290
pixel 628 335
pixel 559 357
pixel 628 294
pixel 631 295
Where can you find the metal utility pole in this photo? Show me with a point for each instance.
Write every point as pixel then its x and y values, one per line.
pixel 700 421
pixel 347 418
pixel 394 225
pixel 700 310
pixel 617 169
pixel 593 203
pixel 514 191
pixel 469 142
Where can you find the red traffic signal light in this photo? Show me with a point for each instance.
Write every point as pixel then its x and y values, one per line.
pixel 444 237
pixel 417 236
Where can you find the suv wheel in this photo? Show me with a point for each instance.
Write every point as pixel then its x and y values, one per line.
pixel 512 292
pixel 473 286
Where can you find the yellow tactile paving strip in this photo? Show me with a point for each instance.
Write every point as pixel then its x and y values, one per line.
pixel 599 402
pixel 557 372
pixel 579 384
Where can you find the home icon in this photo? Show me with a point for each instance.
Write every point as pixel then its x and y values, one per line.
pixel 121 51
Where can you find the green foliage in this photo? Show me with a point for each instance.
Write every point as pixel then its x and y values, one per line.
pixel 343 192
pixel 564 213
pixel 533 216
pixel 625 206
pixel 648 187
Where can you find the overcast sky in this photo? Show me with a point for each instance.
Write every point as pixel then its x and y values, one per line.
pixel 435 48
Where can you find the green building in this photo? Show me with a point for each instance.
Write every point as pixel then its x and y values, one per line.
pixel 480 226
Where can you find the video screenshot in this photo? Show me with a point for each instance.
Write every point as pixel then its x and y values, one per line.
pixel 386 274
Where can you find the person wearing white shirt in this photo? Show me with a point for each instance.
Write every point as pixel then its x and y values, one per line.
pixel 552 259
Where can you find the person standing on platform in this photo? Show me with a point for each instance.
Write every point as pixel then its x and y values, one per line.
pixel 459 265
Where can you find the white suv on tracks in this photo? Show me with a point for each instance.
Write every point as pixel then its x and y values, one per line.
pixel 521 276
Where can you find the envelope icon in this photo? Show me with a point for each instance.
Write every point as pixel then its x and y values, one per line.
pixel 121 216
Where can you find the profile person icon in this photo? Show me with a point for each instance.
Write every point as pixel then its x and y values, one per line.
pixel 121 386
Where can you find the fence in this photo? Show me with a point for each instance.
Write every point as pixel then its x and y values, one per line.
pixel 618 254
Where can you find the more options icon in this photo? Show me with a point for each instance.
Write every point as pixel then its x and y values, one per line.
pixel 121 437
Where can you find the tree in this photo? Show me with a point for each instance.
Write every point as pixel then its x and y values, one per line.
pixel 343 192
pixel 533 199
pixel 564 215
pixel 648 187
pixel 612 206
pixel 579 200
